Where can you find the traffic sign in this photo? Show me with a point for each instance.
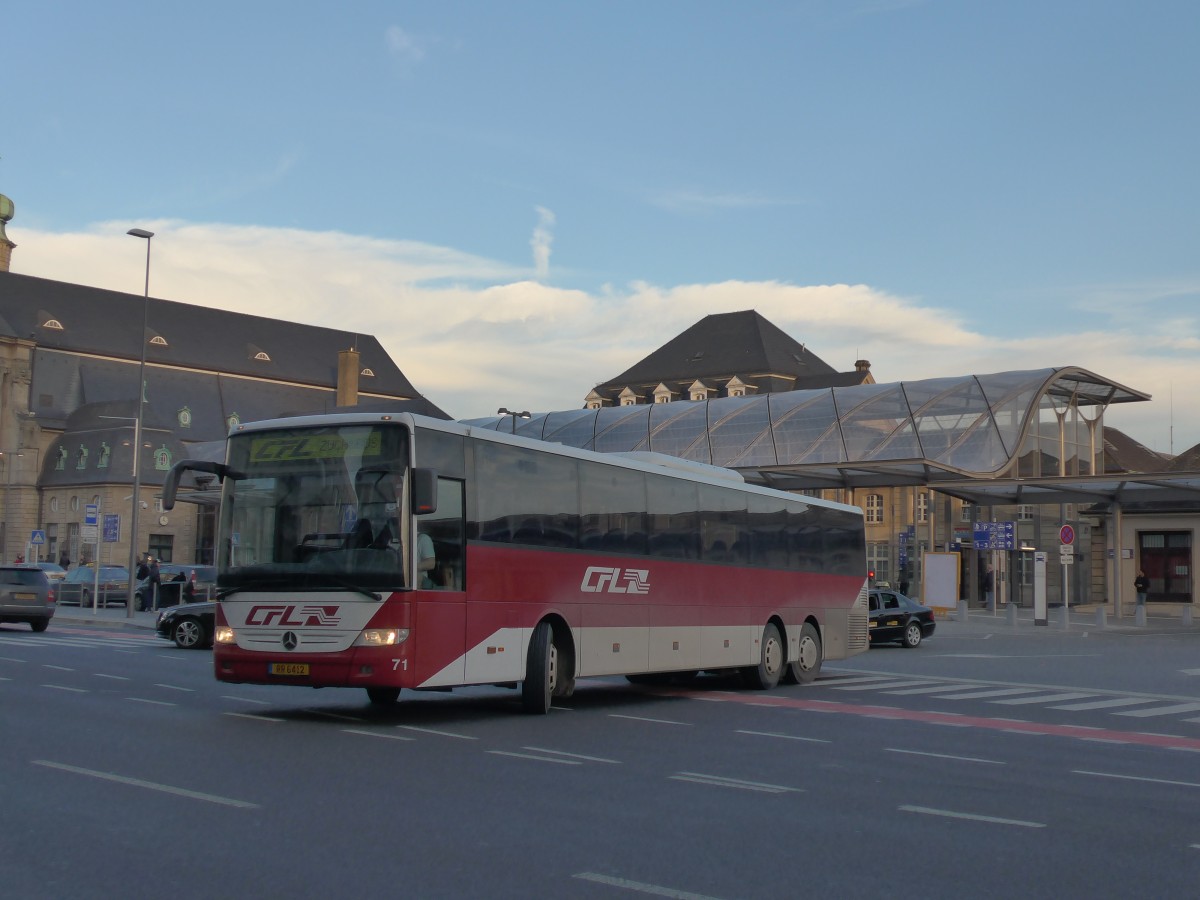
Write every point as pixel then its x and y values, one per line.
pixel 995 535
pixel 37 537
pixel 1066 534
pixel 91 514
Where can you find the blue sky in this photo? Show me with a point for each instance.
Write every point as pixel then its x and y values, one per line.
pixel 523 199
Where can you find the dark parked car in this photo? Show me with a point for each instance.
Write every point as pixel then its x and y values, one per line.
pixel 171 580
pixel 895 617
pixel 26 596
pixel 78 586
pixel 189 625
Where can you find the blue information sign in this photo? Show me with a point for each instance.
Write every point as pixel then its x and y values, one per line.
pixel 90 513
pixel 995 536
pixel 112 528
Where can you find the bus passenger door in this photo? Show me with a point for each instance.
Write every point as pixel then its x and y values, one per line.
pixel 440 598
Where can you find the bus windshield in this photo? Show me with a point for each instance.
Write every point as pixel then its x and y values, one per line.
pixel 315 508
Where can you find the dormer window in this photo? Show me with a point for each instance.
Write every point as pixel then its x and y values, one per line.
pixel 628 397
pixel 699 390
pixel 159 341
pixel 663 394
pixel 261 356
pixel 53 324
pixel 367 373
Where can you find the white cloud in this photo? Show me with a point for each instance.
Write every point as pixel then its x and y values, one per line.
pixel 541 241
pixel 403 46
pixel 474 334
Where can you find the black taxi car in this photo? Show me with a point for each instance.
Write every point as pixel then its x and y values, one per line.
pixel 895 617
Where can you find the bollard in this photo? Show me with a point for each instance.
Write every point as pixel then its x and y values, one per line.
pixel 1101 617
pixel 1012 614
pixel 962 611
pixel 1187 615
pixel 1065 612
pixel 1139 615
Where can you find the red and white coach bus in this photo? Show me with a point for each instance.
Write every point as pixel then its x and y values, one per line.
pixel 396 551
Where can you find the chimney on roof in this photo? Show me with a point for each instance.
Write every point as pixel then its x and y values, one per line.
pixel 6 246
pixel 862 365
pixel 347 378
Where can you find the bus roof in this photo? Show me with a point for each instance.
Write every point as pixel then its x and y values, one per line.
pixel 646 461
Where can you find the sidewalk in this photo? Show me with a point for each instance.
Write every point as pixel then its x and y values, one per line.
pixel 1084 618
pixel 111 617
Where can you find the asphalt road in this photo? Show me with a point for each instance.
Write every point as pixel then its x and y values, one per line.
pixel 988 763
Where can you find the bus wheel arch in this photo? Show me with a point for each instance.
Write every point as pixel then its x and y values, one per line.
pixel 810 653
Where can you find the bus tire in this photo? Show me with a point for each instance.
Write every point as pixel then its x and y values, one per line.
pixel 383 696
pixel 769 670
pixel 541 671
pixel 805 668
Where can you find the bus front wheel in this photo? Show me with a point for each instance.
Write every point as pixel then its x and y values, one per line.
pixel 541 671
pixel 805 668
pixel 770 666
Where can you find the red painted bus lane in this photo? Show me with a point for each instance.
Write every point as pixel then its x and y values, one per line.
pixel 1079 732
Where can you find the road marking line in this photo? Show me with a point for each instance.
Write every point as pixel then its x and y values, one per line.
pixel 975 694
pixel 245 700
pixel 990 762
pixel 1190 784
pixel 378 734
pixel 57 668
pixel 154 702
pixel 647 719
pixel 640 887
pixel 950 814
pixel 561 762
pixel 11 659
pixel 333 715
pixel 598 759
pixel 937 688
pixel 721 781
pixel 150 785
pixel 449 734
pixel 63 687
pixel 175 687
pixel 238 715
pixel 788 737
pixel 1102 704
pixel 113 677
pixel 872 687
pixel 1044 698
pixel 1161 710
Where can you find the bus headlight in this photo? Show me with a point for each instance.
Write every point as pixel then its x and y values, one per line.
pixel 224 635
pixel 382 637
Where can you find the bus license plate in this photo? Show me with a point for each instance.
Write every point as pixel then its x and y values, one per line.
pixel 289 668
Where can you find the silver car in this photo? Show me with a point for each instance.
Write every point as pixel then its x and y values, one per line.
pixel 26 596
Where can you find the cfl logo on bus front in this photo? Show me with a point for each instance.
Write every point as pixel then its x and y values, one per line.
pixel 288 614
pixel 601 579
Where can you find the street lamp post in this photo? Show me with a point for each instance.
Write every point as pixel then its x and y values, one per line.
pixel 502 411
pixel 10 459
pixel 137 427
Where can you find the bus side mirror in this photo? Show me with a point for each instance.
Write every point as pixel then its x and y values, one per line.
pixel 171 484
pixel 424 491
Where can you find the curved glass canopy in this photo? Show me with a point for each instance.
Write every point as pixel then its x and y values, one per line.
pixel 909 432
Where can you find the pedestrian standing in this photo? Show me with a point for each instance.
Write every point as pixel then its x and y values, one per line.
pixel 155 581
pixel 1141 584
pixel 989 588
pixel 64 560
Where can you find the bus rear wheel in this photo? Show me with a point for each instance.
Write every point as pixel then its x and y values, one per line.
pixel 541 671
pixel 383 696
pixel 805 668
pixel 770 666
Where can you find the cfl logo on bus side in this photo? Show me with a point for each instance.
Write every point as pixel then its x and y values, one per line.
pixel 286 614
pixel 601 579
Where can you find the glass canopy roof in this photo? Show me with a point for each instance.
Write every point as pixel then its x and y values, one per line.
pixel 872 434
